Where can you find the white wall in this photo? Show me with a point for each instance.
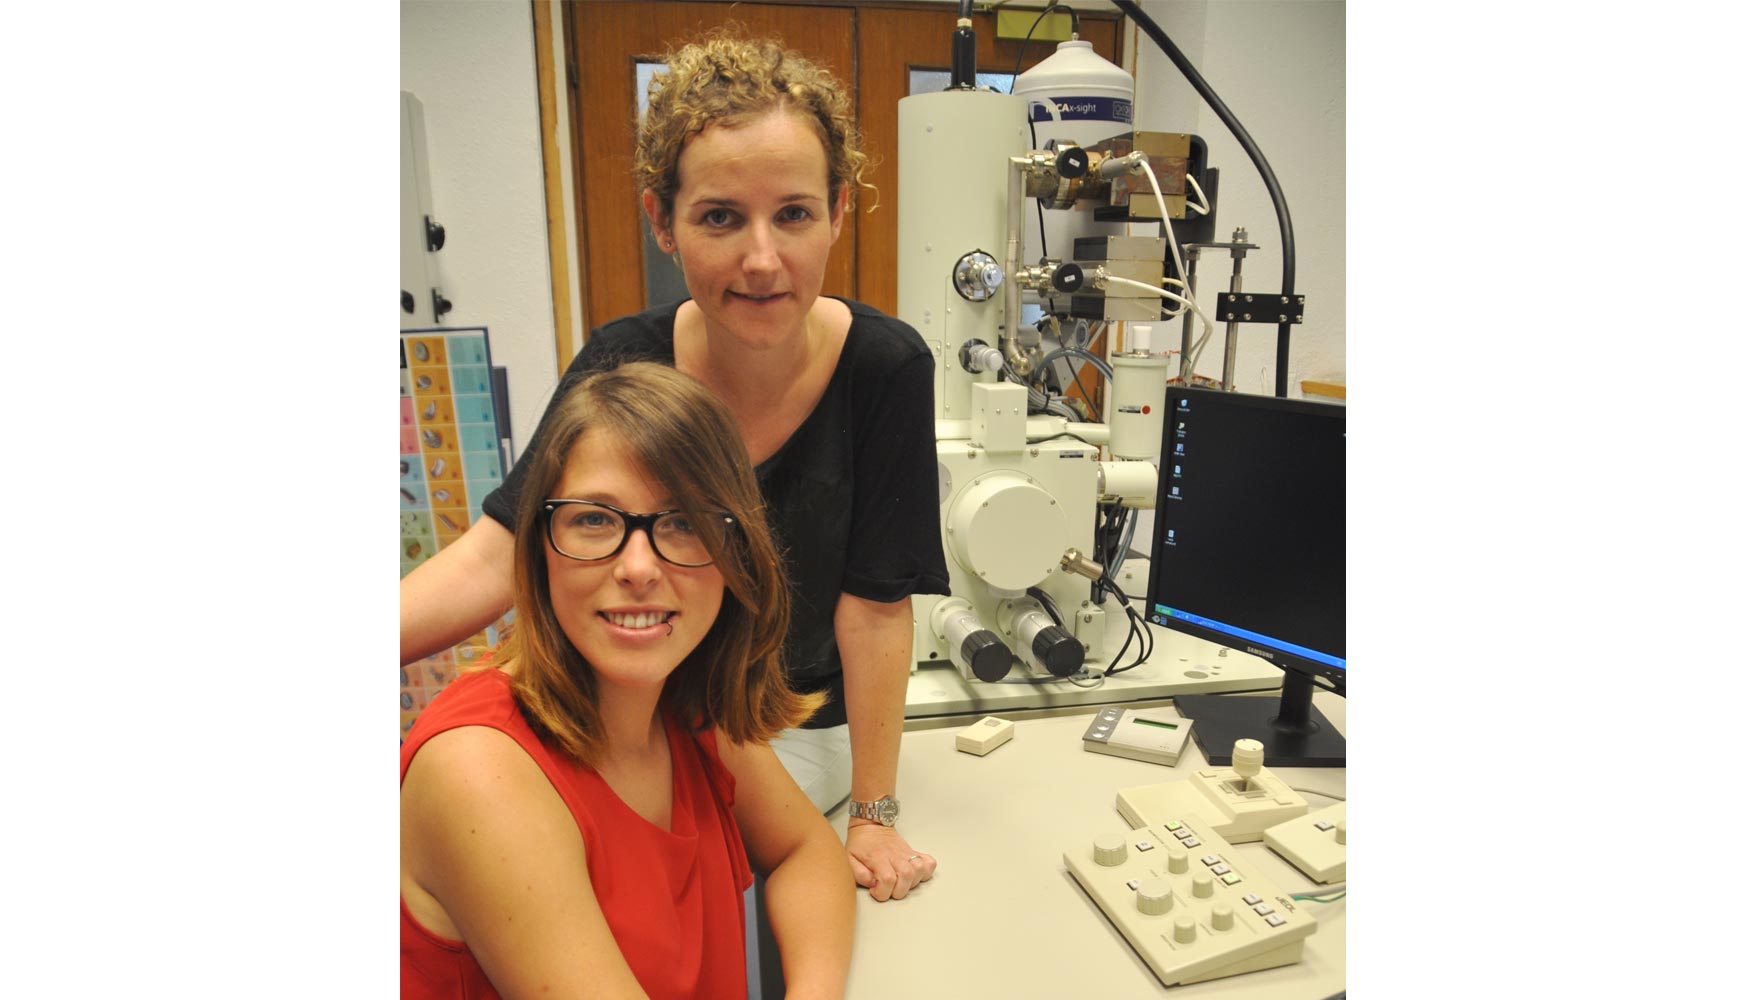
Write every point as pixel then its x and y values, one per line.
pixel 472 64
pixel 1278 65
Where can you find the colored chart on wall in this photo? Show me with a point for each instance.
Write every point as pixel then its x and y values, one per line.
pixel 453 433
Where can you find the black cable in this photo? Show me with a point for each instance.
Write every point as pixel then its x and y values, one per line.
pixel 1138 630
pixel 1087 397
pixel 1165 44
pixel 1075 28
pixel 1063 434
pixel 1050 606
pixel 964 70
pixel 1033 143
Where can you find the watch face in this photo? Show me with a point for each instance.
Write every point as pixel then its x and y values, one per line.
pixel 883 810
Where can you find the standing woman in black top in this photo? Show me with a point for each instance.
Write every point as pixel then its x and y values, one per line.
pixel 748 160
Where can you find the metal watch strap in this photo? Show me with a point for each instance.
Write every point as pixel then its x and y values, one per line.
pixel 884 810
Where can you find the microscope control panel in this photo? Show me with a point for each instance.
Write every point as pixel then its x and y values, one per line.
pixel 1241 801
pixel 1187 903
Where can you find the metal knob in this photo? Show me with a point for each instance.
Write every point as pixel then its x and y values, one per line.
pixel 977 276
pixel 1072 162
pixel 1067 278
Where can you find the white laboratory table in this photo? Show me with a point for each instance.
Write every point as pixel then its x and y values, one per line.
pixel 1004 918
pixel 1181 664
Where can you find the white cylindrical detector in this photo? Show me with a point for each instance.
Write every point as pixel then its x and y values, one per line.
pixel 1139 394
pixel 974 650
pixel 1135 483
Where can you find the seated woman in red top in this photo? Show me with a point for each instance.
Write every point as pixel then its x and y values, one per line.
pixel 578 816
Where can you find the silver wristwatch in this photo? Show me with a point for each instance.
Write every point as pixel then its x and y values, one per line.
pixel 884 810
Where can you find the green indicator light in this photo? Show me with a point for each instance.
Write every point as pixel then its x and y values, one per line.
pixel 1151 722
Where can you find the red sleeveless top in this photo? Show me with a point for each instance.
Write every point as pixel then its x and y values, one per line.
pixel 672 897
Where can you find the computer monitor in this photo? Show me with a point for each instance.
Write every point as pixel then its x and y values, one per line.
pixel 1248 553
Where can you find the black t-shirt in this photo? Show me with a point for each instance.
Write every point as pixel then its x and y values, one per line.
pixel 851 494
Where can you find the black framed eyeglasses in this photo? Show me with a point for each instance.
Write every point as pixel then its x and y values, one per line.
pixel 590 531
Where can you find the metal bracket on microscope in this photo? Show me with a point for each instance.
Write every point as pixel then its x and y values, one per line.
pixel 1259 307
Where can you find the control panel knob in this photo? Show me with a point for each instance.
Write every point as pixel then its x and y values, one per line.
pixel 977 276
pixel 1059 652
pixel 1222 917
pixel 1248 757
pixel 985 653
pixel 1343 832
pixel 1072 162
pixel 1202 886
pixel 1110 850
pixel 1177 860
pixel 1067 278
pixel 1154 896
pixel 1185 930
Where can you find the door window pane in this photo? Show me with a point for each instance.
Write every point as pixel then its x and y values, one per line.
pixel 929 81
pixel 663 282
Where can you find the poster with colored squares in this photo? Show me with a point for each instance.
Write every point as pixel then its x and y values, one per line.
pixel 453 436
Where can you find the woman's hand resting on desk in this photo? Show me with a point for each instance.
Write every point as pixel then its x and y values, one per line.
pixel 883 862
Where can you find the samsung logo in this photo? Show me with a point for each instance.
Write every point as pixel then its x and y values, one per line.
pixel 1255 651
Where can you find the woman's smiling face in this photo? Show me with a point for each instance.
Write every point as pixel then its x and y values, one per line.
pixel 633 617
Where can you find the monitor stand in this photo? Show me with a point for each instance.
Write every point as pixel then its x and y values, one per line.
pixel 1294 733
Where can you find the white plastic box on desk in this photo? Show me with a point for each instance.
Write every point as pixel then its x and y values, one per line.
pixel 1317 843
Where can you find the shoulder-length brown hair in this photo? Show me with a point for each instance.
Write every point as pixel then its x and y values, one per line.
pixel 684 438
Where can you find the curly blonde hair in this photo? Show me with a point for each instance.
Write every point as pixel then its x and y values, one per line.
pixel 726 80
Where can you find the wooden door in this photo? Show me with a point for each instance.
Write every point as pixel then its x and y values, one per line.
pixel 871 47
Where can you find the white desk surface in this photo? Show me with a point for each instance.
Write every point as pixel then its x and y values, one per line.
pixel 1004 918
pixel 1181 664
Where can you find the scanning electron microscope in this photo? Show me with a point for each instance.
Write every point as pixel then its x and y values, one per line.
pixel 1024 478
